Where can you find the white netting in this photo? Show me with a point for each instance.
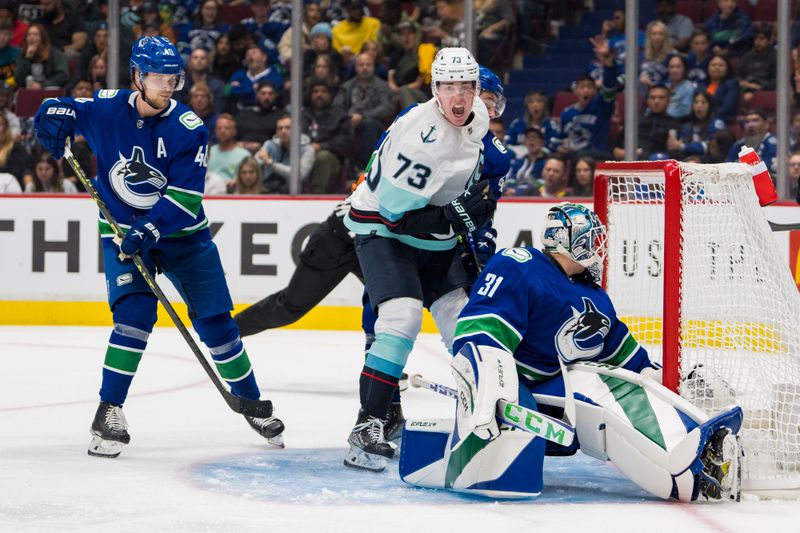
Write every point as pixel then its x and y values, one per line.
pixel 740 312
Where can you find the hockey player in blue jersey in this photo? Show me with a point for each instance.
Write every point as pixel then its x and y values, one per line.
pixel 537 324
pixel 151 164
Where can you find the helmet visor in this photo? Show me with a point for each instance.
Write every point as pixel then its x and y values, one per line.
pixel 163 82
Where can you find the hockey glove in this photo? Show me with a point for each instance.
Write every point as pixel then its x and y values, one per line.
pixel 472 209
pixel 140 238
pixel 54 122
pixel 485 244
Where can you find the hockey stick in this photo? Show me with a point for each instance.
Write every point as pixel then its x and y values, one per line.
pixel 513 414
pixel 255 408
pixel 775 226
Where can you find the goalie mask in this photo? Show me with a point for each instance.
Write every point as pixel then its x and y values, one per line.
pixel 575 231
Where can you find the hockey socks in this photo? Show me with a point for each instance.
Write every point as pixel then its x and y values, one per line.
pixel 125 348
pixel 234 367
pixel 376 390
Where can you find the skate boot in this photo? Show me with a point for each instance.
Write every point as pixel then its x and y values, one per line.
pixel 393 426
pixel 368 447
pixel 270 428
pixel 722 467
pixel 109 431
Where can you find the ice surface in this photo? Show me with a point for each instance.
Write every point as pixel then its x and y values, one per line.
pixel 193 465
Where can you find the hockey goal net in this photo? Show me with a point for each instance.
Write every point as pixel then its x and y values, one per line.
pixel 694 270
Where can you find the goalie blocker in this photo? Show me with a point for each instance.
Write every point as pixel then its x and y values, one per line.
pixel 658 440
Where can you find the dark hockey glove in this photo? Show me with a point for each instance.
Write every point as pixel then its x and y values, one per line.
pixel 472 209
pixel 485 244
pixel 140 238
pixel 54 122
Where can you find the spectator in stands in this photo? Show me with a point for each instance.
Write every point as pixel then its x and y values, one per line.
pixel 40 65
pixel 249 179
pixel 14 159
pixel 448 29
pixel 281 11
pixel 8 54
pixel 730 29
pixel 203 32
pixel 243 82
pixel 198 69
pixel 214 185
pixel 97 46
pixel 697 60
pixel 720 145
pixel 695 134
pixel 371 48
pixel 274 157
pixel 723 86
pixel 8 13
pixel 757 68
pixel 583 177
pixel 524 176
pixel 680 27
pixel 9 184
pixel 537 115
pixel 257 124
pixel 350 34
pixel 793 168
pixel 330 133
pixel 321 36
pixel 6 99
pixel 585 124
pixel 65 30
pixel 497 128
pixel 264 28
pixel 225 156
pixel 613 30
pixel 554 178
pixel 47 178
pixel 224 62
pixel 390 16
pixel 657 50
pixel 312 14
pixel 201 101
pixel 325 69
pixel 794 133
pixel 98 73
pixel 681 89
pixel 654 127
pixel 405 79
pixel 758 137
pixel 493 23
pixel 151 18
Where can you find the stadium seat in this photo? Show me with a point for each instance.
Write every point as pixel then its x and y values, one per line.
pixel 692 9
pixel 563 100
pixel 234 14
pixel 28 100
pixel 766 100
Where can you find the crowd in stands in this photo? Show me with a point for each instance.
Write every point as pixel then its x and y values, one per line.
pixel 702 84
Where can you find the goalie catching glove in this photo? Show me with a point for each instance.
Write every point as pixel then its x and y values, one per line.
pixel 54 122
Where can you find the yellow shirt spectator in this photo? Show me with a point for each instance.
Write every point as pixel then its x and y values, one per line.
pixel 353 35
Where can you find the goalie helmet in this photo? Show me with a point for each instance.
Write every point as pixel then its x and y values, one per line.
pixel 489 82
pixel 157 55
pixel 453 64
pixel 575 231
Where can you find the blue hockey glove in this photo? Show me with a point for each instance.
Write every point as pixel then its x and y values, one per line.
pixel 140 238
pixel 485 244
pixel 54 123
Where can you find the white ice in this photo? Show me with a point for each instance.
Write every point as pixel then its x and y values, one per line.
pixel 194 465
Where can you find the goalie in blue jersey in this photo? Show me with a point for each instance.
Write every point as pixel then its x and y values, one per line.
pixel 151 165
pixel 538 324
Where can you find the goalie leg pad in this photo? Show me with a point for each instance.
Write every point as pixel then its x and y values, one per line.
pixel 483 375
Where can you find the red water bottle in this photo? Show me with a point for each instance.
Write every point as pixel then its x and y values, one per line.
pixel 762 181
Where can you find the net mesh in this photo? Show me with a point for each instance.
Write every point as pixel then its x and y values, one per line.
pixel 740 309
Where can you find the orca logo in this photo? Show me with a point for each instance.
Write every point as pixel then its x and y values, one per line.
pixel 583 334
pixel 136 183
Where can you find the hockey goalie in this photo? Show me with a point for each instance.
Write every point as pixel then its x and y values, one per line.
pixel 538 324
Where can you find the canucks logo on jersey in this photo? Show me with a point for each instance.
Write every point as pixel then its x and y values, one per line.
pixel 136 183
pixel 583 334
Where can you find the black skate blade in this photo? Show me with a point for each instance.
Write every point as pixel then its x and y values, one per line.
pixel 255 408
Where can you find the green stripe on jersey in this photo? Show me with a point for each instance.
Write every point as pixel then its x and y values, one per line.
pixel 624 351
pixel 634 402
pixel 491 325
pixel 125 361
pixel 235 368
pixel 187 200
pixel 461 457
pixel 534 375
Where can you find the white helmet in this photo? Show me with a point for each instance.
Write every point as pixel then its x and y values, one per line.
pixel 453 64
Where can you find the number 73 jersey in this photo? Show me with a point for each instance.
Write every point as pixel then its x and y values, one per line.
pixel 421 159
pixel 524 303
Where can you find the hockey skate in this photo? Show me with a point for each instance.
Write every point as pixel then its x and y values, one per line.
pixel 722 467
pixel 368 446
pixel 270 428
pixel 109 431
pixel 393 426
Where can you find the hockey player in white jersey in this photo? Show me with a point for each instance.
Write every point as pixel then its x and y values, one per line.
pixel 540 332
pixel 429 162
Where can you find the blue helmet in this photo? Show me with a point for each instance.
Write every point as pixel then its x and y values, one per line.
pixel 492 84
pixel 575 231
pixel 158 55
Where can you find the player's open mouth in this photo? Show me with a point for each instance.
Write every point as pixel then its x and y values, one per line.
pixel 458 111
